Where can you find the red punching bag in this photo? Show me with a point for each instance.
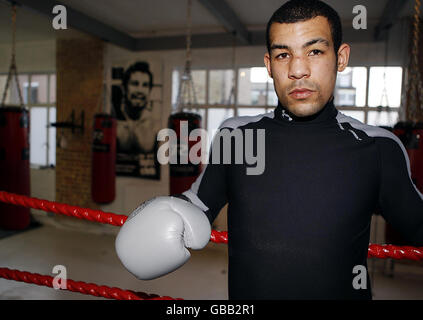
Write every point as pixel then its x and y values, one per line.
pixel 411 135
pixel 14 165
pixel 182 176
pixel 103 159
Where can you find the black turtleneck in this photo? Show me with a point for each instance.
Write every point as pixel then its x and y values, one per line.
pixel 328 112
pixel 298 230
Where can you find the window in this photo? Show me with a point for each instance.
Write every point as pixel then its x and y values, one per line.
pixel 221 87
pixel 224 93
pixel 385 86
pixel 350 87
pixel 371 95
pixel 39 95
pixel 12 96
pixel 252 86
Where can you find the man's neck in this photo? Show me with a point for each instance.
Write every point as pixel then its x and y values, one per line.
pixel 328 112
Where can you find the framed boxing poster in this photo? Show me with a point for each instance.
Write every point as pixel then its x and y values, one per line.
pixel 136 99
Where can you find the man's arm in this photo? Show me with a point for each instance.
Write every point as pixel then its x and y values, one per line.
pixel 399 199
pixel 209 191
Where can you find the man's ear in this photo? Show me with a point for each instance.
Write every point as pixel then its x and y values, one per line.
pixel 343 56
pixel 267 63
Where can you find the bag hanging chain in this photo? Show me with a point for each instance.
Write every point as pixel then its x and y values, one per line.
pixel 189 34
pixel 231 98
pixel 415 82
pixel 103 97
pixel 12 69
pixel 186 93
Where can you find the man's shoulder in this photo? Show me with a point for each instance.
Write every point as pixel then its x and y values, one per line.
pixel 384 138
pixel 241 121
pixel 370 130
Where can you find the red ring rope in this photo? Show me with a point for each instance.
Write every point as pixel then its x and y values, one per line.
pixel 395 252
pixel 61 208
pixel 375 251
pixel 79 286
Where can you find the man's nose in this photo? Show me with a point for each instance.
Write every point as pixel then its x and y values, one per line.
pixel 298 68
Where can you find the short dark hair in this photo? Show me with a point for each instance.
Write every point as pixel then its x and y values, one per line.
pixel 141 67
pixel 302 10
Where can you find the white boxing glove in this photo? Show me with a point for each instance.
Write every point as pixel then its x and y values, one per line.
pixel 153 240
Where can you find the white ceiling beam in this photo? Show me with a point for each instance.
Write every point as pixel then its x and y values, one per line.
pixel 82 22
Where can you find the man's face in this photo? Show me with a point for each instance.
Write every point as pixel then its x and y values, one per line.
pixel 138 89
pixel 303 64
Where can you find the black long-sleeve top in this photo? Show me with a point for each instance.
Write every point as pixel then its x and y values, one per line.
pixel 297 230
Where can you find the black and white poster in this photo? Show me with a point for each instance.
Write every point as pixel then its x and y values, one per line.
pixel 136 94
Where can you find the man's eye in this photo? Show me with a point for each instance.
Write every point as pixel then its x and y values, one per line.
pixel 315 52
pixel 134 83
pixel 282 55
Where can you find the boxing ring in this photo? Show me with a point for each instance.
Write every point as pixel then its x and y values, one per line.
pixel 384 251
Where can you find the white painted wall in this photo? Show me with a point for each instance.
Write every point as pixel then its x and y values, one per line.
pixel 37 56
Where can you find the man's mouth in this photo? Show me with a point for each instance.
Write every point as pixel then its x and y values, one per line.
pixel 301 93
pixel 138 100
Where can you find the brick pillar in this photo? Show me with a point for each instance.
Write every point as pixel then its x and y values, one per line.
pixel 79 65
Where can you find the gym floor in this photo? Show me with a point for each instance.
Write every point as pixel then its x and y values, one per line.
pixel 90 257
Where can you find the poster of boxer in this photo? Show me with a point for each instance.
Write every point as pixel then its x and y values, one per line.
pixel 136 94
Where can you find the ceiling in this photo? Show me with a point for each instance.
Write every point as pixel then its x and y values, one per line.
pixel 145 24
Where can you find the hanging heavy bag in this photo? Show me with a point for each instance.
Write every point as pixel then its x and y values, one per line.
pixel 183 175
pixel 14 165
pixel 103 177
pixel 14 151
pixel 411 135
